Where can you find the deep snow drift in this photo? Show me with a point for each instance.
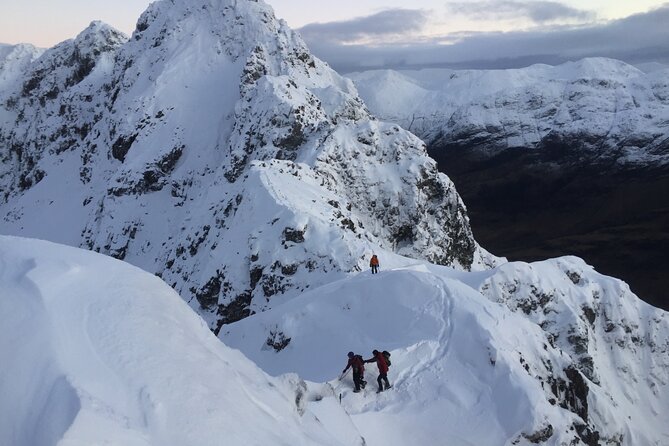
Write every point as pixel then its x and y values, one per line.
pixel 95 351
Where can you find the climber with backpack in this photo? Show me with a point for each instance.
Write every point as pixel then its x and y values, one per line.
pixel 382 360
pixel 374 264
pixel 357 364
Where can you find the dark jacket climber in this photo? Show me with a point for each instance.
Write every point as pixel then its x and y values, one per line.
pixel 383 370
pixel 358 366
pixel 374 264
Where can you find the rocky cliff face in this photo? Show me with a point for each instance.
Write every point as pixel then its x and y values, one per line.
pixel 550 160
pixel 214 150
pixel 616 344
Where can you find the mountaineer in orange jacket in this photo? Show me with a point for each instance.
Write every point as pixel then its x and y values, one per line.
pixel 374 264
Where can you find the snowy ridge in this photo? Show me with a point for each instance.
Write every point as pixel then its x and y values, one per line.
pixel 149 160
pixel 120 358
pixel 461 362
pixel 88 359
pixel 603 107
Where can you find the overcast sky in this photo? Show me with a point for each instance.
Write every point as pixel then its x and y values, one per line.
pixel 354 34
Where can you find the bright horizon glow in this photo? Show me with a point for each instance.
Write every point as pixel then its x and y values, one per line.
pixel 44 23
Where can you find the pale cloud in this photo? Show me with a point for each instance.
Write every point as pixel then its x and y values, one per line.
pixel 536 11
pixel 636 39
pixel 391 22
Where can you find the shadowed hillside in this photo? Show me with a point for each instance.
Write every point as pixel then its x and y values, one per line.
pixel 523 208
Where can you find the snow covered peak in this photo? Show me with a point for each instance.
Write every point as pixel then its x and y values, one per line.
pixel 98 38
pixel 600 67
pixel 164 147
pixel 237 27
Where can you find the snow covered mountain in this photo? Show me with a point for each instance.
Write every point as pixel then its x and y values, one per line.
pixel 211 149
pixel 595 108
pixel 214 150
pixel 87 359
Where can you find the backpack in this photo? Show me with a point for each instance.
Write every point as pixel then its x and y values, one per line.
pixel 359 364
pixel 386 356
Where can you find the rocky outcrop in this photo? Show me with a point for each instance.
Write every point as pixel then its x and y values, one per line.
pixel 588 316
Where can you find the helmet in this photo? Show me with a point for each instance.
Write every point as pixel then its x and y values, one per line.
pixel 375 352
pixel 350 354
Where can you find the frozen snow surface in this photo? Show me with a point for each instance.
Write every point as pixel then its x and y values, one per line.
pixel 96 351
pixel 550 353
pixel 605 108
pixel 212 150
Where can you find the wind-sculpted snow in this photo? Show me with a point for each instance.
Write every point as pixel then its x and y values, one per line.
pixel 158 150
pixel 95 351
pixel 597 109
pixel 469 371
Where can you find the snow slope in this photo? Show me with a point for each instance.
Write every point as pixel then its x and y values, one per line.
pixel 95 351
pixel 602 106
pixel 121 146
pixel 550 352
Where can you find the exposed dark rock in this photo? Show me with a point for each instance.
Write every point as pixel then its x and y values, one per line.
pixel 122 145
pixel 293 235
pixel 587 435
pixel 273 284
pixel 540 436
pixel 291 142
pixel 589 314
pixel 83 67
pixel 277 340
pixel 236 310
pixel 196 241
pixel 254 276
pixel 403 235
pixel 208 295
pixel 289 270
pixel 574 277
